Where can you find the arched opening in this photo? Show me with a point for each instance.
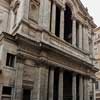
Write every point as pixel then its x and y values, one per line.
pixel 57 21
pixel 68 25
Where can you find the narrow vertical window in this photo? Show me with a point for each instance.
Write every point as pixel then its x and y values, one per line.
pixel 68 25
pixel 10 60
pixel 57 26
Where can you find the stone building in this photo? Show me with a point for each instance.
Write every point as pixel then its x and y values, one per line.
pixel 46 50
pixel 97 60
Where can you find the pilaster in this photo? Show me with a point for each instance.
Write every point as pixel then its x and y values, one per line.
pixel 43 81
pixel 80 36
pixel 85 39
pixel 18 81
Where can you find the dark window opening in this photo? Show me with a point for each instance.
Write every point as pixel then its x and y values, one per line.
pixel 56 83
pixel 6 90
pixel 97 85
pixel 67 86
pixel 77 87
pixel 57 25
pixel 77 34
pixel 68 25
pixel 10 60
pixel 51 15
pixel 26 94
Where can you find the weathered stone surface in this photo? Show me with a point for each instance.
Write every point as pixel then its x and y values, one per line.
pixel 29 25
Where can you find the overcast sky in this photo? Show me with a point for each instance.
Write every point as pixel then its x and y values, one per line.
pixel 94 9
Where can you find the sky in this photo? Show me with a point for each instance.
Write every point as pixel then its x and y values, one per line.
pixel 93 9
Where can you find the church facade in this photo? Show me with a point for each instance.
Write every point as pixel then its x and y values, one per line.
pixel 46 50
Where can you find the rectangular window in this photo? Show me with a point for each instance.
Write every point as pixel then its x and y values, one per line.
pixel 10 60
pixel 6 90
pixel 6 93
pixel 97 85
pixel 26 94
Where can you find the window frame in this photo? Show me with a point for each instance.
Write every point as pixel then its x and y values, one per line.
pixel 10 60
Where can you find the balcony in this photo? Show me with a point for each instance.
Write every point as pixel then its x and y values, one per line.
pixel 53 41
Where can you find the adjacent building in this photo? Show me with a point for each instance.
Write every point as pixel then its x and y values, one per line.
pixel 97 60
pixel 46 50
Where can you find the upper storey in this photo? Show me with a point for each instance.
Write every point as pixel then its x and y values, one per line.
pixel 62 24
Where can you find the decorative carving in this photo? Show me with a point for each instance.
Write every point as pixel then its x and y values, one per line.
pixel 34 3
pixel 15 4
pixel 34 10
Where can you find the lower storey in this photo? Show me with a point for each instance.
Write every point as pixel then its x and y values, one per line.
pixel 49 84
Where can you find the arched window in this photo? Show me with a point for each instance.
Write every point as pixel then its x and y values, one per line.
pixel 68 24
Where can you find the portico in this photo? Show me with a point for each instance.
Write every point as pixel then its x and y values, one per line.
pixel 66 85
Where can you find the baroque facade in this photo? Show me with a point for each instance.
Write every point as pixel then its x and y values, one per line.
pixel 46 50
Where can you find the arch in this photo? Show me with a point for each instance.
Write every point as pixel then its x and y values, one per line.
pixel 68 24
pixel 71 6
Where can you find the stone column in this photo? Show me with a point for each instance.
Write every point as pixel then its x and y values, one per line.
pixel 62 24
pixel 74 87
pixel 81 88
pixel 74 32
pixel 88 89
pixel 60 92
pixel 1 86
pixel 80 36
pixel 51 83
pixel 53 17
pixel 85 39
pixel 94 91
pixel 85 89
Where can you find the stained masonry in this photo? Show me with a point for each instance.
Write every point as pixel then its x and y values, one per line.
pixel 46 50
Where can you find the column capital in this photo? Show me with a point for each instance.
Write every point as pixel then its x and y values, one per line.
pixel 74 74
pixel 74 18
pixel 61 69
pixel 54 1
pixel 51 67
